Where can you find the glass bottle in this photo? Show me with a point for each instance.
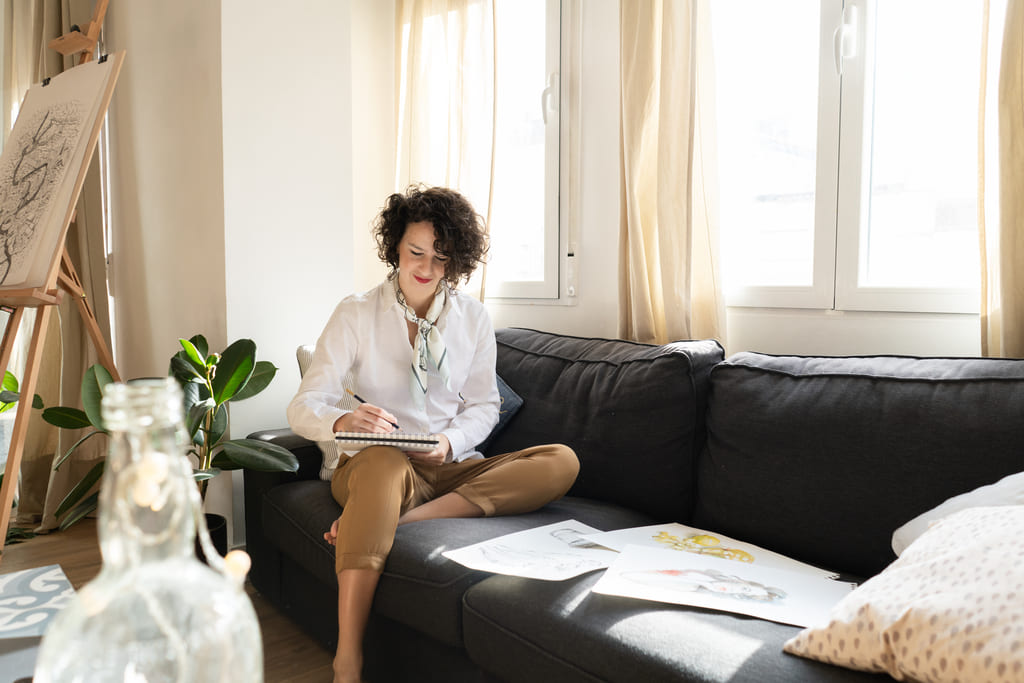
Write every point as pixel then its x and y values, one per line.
pixel 154 613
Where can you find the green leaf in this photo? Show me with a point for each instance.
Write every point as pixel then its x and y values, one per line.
pixel 192 353
pixel 183 370
pixel 203 475
pixel 94 383
pixel 81 488
pixel 60 461
pixel 66 418
pixel 219 426
pixel 19 535
pixel 255 455
pixel 196 414
pixel 10 381
pixel 261 376
pixel 88 506
pixel 194 393
pixel 37 402
pixel 236 365
pixel 8 399
pixel 199 342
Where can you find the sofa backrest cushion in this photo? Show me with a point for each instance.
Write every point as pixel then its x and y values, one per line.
pixel 823 458
pixel 634 413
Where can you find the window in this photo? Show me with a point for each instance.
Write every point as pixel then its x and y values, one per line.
pixel 524 222
pixel 847 138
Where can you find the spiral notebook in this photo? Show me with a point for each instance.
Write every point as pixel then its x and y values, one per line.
pixel 354 441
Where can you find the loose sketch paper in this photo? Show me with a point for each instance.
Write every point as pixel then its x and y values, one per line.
pixel 42 168
pixel 770 593
pixel 707 543
pixel 553 552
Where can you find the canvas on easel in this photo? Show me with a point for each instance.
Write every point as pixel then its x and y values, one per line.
pixel 42 170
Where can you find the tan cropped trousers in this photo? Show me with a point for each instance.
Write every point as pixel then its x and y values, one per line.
pixel 378 484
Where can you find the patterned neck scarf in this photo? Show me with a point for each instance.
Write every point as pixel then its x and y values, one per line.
pixel 428 348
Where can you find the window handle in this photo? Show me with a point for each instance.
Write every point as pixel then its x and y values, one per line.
pixel 844 40
pixel 548 97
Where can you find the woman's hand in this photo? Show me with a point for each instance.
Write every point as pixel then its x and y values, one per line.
pixel 366 418
pixel 434 457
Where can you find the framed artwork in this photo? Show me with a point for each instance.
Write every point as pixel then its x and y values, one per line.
pixel 42 168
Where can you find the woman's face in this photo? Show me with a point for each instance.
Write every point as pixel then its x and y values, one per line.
pixel 420 268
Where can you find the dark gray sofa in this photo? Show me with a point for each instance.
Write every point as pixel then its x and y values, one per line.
pixel 817 458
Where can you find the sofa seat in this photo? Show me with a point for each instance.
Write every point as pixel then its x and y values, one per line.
pixel 565 633
pixel 419 588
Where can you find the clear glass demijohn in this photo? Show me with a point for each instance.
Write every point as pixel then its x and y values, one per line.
pixel 154 613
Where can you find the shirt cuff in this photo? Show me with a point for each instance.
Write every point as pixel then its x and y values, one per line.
pixel 457 441
pixel 328 423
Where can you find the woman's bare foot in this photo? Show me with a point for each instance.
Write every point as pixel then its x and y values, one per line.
pixel 332 535
pixel 345 673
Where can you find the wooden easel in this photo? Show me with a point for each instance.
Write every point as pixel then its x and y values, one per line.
pixel 62 278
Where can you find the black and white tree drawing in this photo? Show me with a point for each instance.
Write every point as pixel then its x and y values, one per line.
pixel 35 161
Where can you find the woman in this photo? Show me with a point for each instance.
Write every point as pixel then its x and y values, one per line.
pixel 422 356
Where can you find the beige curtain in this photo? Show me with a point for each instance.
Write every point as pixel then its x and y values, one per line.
pixel 1002 239
pixel 446 99
pixel 669 281
pixel 68 351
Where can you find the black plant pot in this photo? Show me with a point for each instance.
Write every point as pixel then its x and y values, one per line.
pixel 218 527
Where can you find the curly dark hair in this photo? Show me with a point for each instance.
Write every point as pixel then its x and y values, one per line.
pixel 458 229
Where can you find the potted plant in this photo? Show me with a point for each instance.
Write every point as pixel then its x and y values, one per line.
pixel 210 381
pixel 10 393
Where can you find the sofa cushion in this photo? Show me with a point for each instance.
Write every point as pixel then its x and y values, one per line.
pixel 822 458
pixel 634 413
pixel 511 402
pixel 528 630
pixel 419 587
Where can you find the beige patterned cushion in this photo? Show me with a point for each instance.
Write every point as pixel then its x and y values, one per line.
pixel 1007 491
pixel 951 608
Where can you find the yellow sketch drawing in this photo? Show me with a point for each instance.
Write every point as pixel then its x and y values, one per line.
pixel 703 544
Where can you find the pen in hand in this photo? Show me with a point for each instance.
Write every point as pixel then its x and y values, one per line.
pixel 363 400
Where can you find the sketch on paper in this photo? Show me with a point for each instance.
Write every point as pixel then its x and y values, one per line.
pixel 662 575
pixel 700 542
pixel 32 170
pixel 41 168
pixel 709 580
pixel 553 552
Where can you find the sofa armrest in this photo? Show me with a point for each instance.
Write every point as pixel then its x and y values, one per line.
pixel 308 453
pixel 265 572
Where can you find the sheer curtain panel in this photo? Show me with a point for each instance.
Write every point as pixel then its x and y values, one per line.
pixel 1002 231
pixel 446 103
pixel 669 281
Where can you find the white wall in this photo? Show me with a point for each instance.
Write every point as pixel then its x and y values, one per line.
pixel 231 186
pixel 166 189
pixel 373 129
pixel 851 333
pixel 287 186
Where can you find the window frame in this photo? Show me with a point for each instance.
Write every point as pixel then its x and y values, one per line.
pixel 841 205
pixel 559 285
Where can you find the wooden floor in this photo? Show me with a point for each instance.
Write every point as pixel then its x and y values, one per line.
pixel 289 656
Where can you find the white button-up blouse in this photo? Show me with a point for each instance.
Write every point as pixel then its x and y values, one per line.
pixel 367 341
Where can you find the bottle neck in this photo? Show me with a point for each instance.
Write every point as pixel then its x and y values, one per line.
pixel 146 498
